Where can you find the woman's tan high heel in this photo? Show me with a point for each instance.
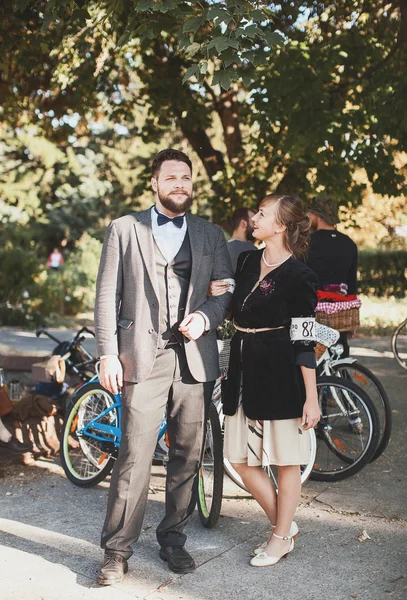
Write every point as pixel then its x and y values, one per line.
pixel 294 531
pixel 264 560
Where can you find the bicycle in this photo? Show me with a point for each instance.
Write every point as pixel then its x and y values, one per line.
pixel 348 431
pixel 270 470
pixel 399 344
pixel 331 364
pixel 78 361
pixel 344 408
pixel 91 437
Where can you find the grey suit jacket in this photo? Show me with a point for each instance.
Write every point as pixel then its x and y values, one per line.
pixel 127 297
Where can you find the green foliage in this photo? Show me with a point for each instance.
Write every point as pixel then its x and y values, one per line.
pixel 71 289
pixel 19 264
pixel 203 30
pixel 80 273
pixel 30 297
pixel 382 273
pixel 380 316
pixel 325 100
pixel 294 96
pixel 58 192
pixel 226 330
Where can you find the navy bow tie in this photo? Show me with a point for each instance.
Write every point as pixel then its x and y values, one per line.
pixel 163 219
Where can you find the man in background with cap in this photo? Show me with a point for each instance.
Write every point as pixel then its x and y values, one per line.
pixel 333 256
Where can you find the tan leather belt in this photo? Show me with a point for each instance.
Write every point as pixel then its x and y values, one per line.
pixel 250 330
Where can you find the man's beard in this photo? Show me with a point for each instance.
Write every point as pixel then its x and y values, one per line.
pixel 175 207
pixel 249 235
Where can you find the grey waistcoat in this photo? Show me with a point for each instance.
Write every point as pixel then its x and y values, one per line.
pixel 173 283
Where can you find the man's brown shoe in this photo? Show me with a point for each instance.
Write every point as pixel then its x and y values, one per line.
pixel 178 559
pixel 113 570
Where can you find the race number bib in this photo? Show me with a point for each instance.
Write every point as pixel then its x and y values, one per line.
pixel 302 329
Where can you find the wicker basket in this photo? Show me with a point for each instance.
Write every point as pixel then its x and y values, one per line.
pixel 345 320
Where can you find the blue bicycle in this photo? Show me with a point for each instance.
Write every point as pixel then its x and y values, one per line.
pixel 91 438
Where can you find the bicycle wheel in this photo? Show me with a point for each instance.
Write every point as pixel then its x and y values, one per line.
pixel 210 477
pixel 348 432
pixel 371 385
pixel 271 470
pixel 87 461
pixel 399 344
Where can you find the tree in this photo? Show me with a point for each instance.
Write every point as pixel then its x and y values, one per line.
pixel 302 116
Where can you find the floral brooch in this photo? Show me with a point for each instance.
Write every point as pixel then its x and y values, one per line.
pixel 267 286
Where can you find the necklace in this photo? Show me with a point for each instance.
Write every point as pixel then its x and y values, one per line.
pixel 277 264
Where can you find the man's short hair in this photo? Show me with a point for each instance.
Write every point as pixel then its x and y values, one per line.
pixel 239 214
pixel 324 207
pixel 169 154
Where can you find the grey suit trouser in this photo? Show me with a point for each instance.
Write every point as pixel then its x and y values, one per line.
pixel 170 385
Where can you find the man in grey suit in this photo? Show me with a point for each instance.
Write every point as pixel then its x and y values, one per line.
pixel 155 330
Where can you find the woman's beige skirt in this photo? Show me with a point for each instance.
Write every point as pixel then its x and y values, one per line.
pixel 265 443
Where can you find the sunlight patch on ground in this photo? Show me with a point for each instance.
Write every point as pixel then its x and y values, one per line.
pixel 60 541
pixel 50 465
pixel 29 334
pixel 359 351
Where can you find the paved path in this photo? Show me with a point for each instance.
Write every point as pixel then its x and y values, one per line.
pixel 49 532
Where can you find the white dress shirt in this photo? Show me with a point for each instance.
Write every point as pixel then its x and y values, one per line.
pixel 168 237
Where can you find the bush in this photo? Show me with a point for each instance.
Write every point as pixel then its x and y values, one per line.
pixel 71 289
pixel 29 297
pixel 19 315
pixel 382 273
pixel 380 316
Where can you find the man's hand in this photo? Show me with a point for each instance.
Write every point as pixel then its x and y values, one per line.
pixel 218 287
pixel 111 373
pixel 193 326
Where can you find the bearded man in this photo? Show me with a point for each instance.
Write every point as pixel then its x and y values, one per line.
pixel 156 337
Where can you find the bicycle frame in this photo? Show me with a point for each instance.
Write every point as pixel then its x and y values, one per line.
pixel 325 363
pixel 112 434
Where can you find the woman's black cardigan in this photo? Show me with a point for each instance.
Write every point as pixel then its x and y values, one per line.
pixel 267 364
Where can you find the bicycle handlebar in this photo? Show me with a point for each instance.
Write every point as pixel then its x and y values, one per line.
pixel 42 330
pixel 78 338
pixel 84 330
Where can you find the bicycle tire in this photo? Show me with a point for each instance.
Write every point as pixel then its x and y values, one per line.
pixel 354 439
pixel 372 386
pixel 80 466
pixel 400 354
pixel 305 469
pixel 210 476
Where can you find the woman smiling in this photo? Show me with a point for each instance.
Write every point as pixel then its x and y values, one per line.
pixel 271 397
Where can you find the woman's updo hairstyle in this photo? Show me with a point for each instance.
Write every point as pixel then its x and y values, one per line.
pixel 290 213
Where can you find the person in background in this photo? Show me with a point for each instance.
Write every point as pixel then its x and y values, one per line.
pixel 156 337
pixel 242 226
pixel 332 255
pixel 7 440
pixel 10 442
pixel 55 259
pixel 242 236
